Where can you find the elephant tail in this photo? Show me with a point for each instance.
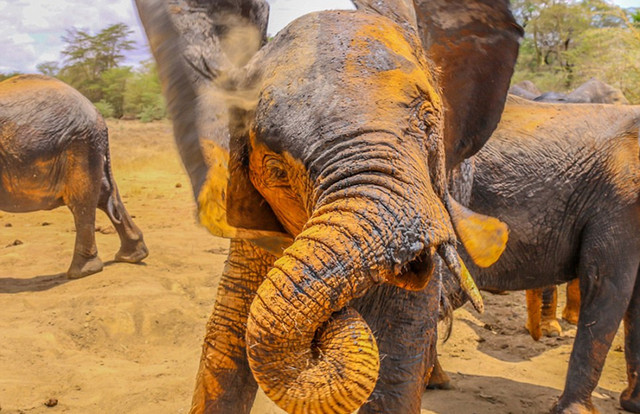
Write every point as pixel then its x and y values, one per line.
pixel 109 187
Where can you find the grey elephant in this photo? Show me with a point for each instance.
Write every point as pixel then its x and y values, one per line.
pixel 323 156
pixel 592 91
pixel 542 303
pixel 525 89
pixel 54 151
pixel 566 179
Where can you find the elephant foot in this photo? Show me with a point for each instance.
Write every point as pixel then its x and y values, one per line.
pixel 630 400
pixel 551 328
pixel 132 254
pixel 81 267
pixel 439 380
pixel 570 316
pixel 574 408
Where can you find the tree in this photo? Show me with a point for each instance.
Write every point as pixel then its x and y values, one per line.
pixel 88 57
pixel 49 68
pixel 143 95
pixel 567 42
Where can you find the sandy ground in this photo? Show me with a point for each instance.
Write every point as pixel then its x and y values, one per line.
pixel 127 340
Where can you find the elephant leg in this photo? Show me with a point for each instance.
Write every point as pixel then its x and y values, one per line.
pixel 607 271
pixel 82 183
pixel 405 324
pixel 224 383
pixel 630 397
pixel 549 324
pixel 132 246
pixel 436 378
pixel 534 313
pixel 572 308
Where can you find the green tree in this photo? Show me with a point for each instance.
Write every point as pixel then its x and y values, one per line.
pixel 4 76
pixel 88 57
pixel 567 42
pixel 49 68
pixel 113 83
pixel 143 95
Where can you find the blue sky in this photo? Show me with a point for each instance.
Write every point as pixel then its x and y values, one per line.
pixel 30 30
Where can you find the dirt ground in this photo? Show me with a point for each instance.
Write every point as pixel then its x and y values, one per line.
pixel 127 340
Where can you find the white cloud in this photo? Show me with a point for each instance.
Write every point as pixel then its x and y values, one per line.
pixel 284 11
pixel 45 21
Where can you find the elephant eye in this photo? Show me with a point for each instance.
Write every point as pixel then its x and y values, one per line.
pixel 276 172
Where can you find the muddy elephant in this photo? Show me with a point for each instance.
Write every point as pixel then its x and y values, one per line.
pixel 542 303
pixel 323 155
pixel 566 179
pixel 54 151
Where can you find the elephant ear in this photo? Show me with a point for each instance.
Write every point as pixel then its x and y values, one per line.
pixel 475 44
pixel 200 47
pixel 400 11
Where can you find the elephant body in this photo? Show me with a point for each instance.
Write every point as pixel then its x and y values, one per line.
pixel 54 151
pixel 542 303
pixel 566 179
pixel 592 91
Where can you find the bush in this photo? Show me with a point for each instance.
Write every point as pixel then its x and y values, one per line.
pixel 105 109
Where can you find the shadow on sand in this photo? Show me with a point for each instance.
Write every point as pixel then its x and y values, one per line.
pixel 44 282
pixel 492 395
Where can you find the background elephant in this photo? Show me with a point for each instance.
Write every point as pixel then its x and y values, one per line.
pixel 542 303
pixel 566 179
pixel 330 142
pixel 54 151
pixel 525 89
pixel 592 91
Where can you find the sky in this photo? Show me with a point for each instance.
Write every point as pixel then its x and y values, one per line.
pixel 31 30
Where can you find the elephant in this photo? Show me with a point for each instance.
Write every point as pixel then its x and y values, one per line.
pixel 566 180
pixel 592 91
pixel 322 154
pixel 525 89
pixel 596 91
pixel 54 151
pixel 542 303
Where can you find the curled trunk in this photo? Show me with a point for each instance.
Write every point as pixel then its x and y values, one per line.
pixel 307 351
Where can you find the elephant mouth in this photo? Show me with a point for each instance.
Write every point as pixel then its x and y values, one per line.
pixel 416 274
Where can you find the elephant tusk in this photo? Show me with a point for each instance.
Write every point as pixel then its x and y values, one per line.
pixel 458 268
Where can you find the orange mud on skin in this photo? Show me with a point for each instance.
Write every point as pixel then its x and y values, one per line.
pixel 129 340
pixel 483 237
pixel 283 182
pixel 571 311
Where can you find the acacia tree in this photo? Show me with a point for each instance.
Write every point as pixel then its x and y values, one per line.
pixel 89 57
pixel 567 42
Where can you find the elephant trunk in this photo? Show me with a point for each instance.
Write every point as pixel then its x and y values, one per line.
pixel 307 351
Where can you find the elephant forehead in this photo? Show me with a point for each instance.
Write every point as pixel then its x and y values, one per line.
pixel 340 73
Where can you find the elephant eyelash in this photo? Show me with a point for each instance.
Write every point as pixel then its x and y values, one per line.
pixel 276 172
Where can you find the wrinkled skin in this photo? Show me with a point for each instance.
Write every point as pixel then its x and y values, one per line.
pixel 566 179
pixel 542 303
pixel 322 156
pixel 54 151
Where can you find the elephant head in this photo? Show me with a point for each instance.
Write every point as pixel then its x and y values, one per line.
pixel 327 147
